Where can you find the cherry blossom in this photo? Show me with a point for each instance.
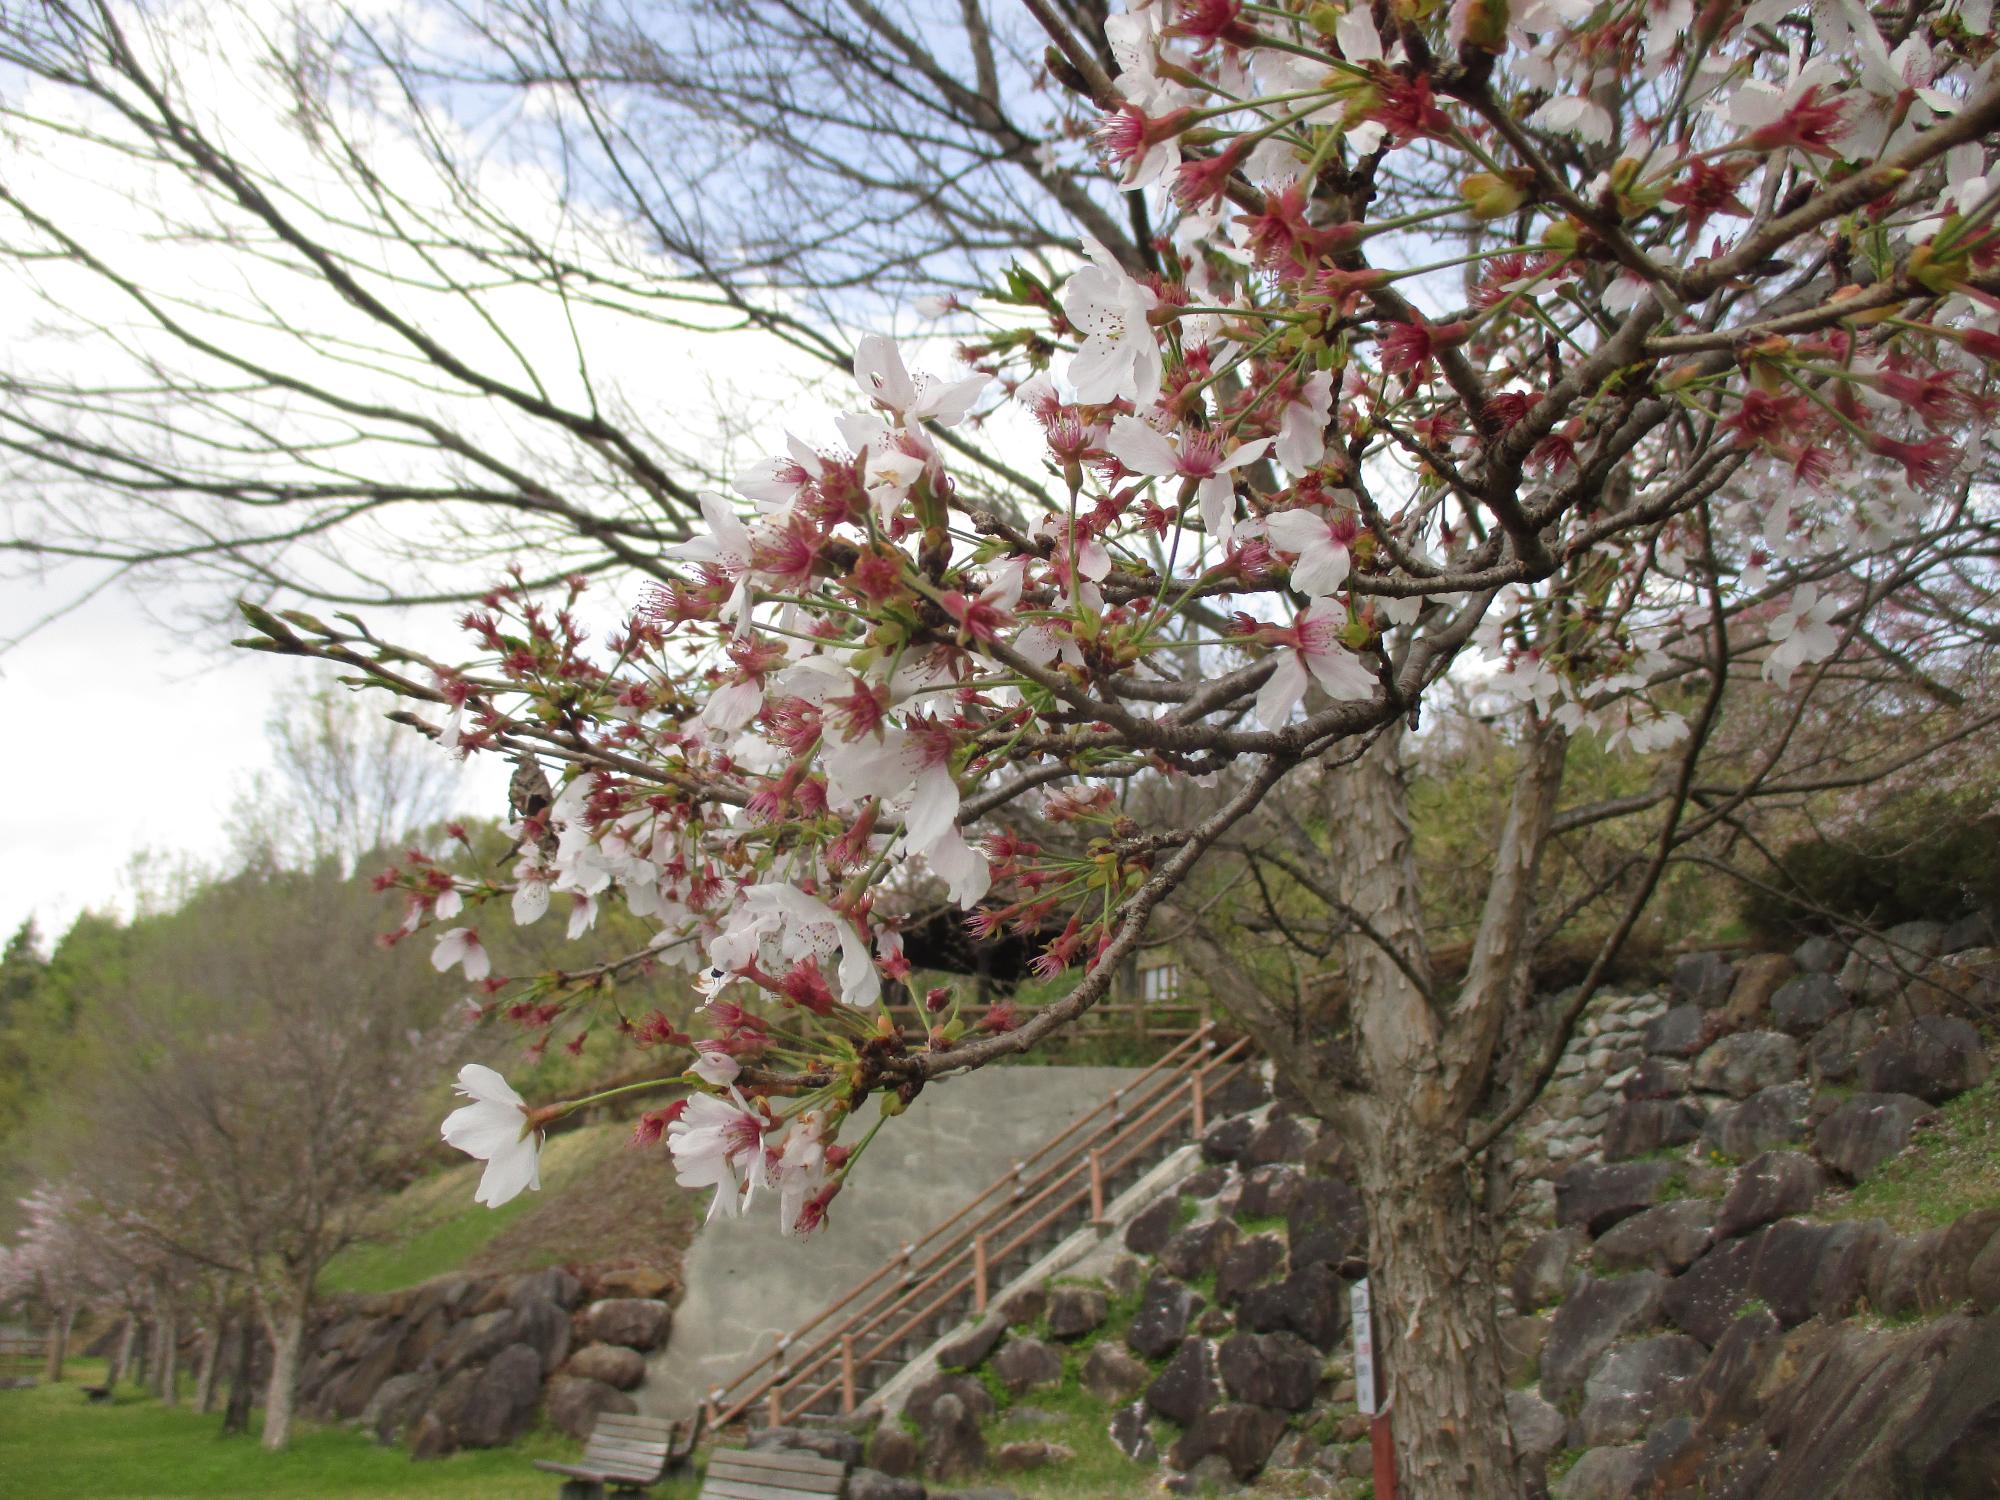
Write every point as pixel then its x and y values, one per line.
pixel 719 1143
pixel 1119 358
pixel 460 947
pixel 1803 632
pixel 1317 654
pixel 1199 456
pixel 497 1130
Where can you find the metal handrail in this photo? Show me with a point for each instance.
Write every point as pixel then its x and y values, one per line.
pixel 969 1233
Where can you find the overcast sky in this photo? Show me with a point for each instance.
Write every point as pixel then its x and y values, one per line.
pixel 126 737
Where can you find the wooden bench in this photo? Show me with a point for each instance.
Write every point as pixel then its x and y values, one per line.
pixel 734 1474
pixel 626 1454
pixel 22 1356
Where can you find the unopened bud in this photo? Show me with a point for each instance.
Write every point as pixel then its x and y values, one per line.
pixel 1491 196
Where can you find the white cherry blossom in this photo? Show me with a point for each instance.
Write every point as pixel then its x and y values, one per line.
pixel 494 1128
pixel 1119 357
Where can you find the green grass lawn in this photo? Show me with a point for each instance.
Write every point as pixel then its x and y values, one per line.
pixel 54 1446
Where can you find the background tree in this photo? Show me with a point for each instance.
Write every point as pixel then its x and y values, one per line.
pixel 344 784
pixel 1612 343
pixel 441 353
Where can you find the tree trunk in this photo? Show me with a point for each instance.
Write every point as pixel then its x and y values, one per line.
pixel 142 1354
pixel 1430 1278
pixel 211 1360
pixel 287 1335
pixel 236 1415
pixel 170 1357
pixel 59 1331
pixel 1429 1260
pixel 123 1359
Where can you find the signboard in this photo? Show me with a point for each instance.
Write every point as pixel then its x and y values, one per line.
pixel 1364 1349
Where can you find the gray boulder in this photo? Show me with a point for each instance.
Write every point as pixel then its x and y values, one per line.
pixel 1601 1474
pixel 1188 1386
pixel 1595 1195
pixel 636 1322
pixel 1075 1311
pixel 1667 1239
pixel 970 1392
pixel 1703 979
pixel 1935 1058
pixel 1774 1186
pixel 1681 1031
pixel 1767 1120
pixel 1834 1051
pixel 573 1404
pixel 1548 1268
pixel 1227 1140
pixel 1311 1302
pixel 1250 1264
pixel 1152 1227
pixel 1861 1133
pixel 1242 1436
pixel 475 1340
pixel 1269 1369
pixel 1166 1307
pixel 970 1348
pixel 1132 1434
pixel 1703 1299
pixel 1877 968
pixel 1270 1191
pixel 544 1325
pixel 873 1484
pixel 1742 1064
pixel 1198 1249
pixel 484 1408
pixel 1281 1138
pixel 1807 1003
pixel 396 1403
pixel 1326 1224
pixel 894 1451
pixel 1597 1315
pixel 613 1364
pixel 1636 1382
pixel 1024 1363
pixel 1112 1375
pixel 1638 1127
pixel 1540 1431
pixel 953 1444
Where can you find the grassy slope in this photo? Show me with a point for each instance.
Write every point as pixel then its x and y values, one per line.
pixel 1949 1170
pixel 55 1447
pixel 601 1202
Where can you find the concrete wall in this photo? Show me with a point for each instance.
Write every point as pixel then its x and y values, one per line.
pixel 747 1285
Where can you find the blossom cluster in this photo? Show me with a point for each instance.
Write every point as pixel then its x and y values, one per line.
pixel 1530 339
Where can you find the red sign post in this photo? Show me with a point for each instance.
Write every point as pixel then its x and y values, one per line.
pixel 1368 1393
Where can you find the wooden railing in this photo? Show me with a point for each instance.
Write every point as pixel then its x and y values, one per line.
pixel 1141 1021
pixel 952 1269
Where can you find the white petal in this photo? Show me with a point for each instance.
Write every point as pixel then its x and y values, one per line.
pixel 1281 691
pixel 509 1173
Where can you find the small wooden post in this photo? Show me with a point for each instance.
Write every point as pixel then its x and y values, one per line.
pixel 777 1410
pixel 1097 1188
pixel 1200 1097
pixel 847 1374
pixel 979 1274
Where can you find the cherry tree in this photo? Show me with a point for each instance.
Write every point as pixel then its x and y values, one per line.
pixel 1628 361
